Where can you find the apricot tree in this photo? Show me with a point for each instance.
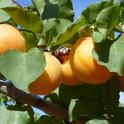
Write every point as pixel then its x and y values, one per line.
pixel 76 64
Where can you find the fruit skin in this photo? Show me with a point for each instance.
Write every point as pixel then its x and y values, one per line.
pixel 10 38
pixel 68 75
pixel 84 65
pixel 121 78
pixel 49 79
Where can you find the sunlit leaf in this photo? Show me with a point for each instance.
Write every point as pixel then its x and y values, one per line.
pixel 71 31
pixel 97 121
pixel 13 117
pixel 3 16
pixel 7 3
pixel 97 36
pixel 91 12
pixel 22 68
pixel 39 4
pixel 116 59
pixel 53 28
pixel 23 17
pixel 107 19
pixel 110 54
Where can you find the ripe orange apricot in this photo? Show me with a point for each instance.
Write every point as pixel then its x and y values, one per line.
pixel 69 77
pixel 10 38
pixel 84 65
pixel 49 79
pixel 121 78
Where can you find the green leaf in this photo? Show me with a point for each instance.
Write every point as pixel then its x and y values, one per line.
pixel 91 12
pixel 97 121
pixel 66 9
pixel 58 9
pixel 101 51
pixel 107 19
pixel 59 25
pixel 53 28
pixel 25 18
pixel 97 36
pixel 22 68
pixel 51 10
pixel 122 19
pixel 110 54
pixel 7 3
pixel 70 31
pixel 31 40
pixel 85 30
pixel 118 118
pixel 3 16
pixel 83 107
pixel 13 117
pixel 110 97
pixel 95 107
pixel 122 15
pixel 75 92
pixel 39 5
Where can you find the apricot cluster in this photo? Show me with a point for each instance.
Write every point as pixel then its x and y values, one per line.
pixel 73 69
pixel 76 68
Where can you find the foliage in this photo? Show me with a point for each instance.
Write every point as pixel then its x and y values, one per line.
pixel 21 65
pixel 49 24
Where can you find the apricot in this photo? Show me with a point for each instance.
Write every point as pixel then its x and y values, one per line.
pixel 49 79
pixel 69 77
pixel 84 65
pixel 10 38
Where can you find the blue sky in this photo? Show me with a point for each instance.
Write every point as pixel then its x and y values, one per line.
pixel 78 5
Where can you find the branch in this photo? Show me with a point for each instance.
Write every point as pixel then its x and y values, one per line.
pixel 31 99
